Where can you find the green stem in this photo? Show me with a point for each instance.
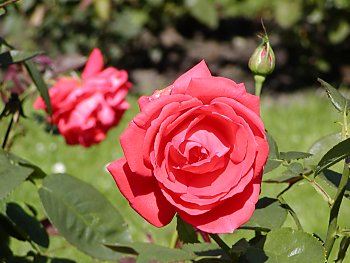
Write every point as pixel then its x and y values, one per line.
pixel 259 80
pixel 222 244
pixel 344 245
pixel 334 213
pixel 7 132
pixel 174 239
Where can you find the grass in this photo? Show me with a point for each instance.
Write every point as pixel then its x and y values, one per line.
pixel 295 121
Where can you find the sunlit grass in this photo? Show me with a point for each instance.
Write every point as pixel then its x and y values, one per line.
pixel 295 121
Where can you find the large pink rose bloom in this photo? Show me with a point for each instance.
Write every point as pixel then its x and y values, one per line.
pixel 197 148
pixel 85 109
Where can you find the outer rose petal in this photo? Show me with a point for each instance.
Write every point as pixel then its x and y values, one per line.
pixel 198 71
pixel 142 193
pixel 214 87
pixel 94 64
pixel 230 215
pixel 262 155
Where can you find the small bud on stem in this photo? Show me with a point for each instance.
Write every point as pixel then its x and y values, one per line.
pixel 262 62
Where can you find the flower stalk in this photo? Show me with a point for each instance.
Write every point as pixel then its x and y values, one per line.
pixel 222 244
pixel 334 212
pixel 262 62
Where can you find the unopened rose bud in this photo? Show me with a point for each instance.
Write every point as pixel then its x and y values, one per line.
pixel 262 62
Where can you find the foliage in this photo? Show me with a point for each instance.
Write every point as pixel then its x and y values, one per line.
pixel 125 27
pixel 87 220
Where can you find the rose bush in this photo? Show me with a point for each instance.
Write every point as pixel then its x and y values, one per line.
pixel 197 148
pixel 85 109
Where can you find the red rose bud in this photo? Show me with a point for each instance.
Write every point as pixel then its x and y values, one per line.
pixel 262 62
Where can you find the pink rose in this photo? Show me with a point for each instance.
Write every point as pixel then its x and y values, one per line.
pixel 197 148
pixel 85 109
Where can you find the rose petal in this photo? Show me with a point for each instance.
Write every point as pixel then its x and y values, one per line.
pixel 94 64
pixel 207 89
pixel 228 216
pixel 249 116
pixel 142 193
pixel 262 153
pixel 131 141
pixel 198 71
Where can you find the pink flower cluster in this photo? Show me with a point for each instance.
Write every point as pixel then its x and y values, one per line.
pixel 85 109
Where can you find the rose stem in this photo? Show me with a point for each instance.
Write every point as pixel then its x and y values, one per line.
pixel 333 215
pixel 221 243
pixel 7 132
pixel 259 80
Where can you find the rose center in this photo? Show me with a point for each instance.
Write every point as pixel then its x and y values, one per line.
pixel 197 154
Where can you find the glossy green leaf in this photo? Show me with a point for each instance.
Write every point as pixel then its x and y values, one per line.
pixel 39 83
pixel 186 232
pixel 320 147
pixel 287 245
pixel 16 56
pixel 29 225
pixel 274 153
pixel 332 179
pixel 2 11
pixel 268 214
pixel 294 172
pixel 271 165
pixel 146 252
pixel 83 216
pixel 11 174
pixel 334 155
pixel 337 99
pixel 293 155
pixel 204 11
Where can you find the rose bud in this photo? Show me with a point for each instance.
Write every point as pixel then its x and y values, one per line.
pixel 262 62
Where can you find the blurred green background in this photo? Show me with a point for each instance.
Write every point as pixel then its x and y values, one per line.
pixel 158 40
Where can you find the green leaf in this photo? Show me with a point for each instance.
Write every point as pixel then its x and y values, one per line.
pixel 332 179
pixel 39 83
pixel 29 225
pixel 37 173
pixel 337 99
pixel 148 252
pixel 186 232
pixel 334 155
pixel 16 56
pixel 271 165
pixel 204 11
pixel 2 11
pixel 83 216
pixel 8 227
pixel 240 247
pixel 203 249
pixel 268 214
pixel 274 153
pixel 287 245
pixel 11 174
pixel 320 147
pixel 293 155
pixel 293 173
